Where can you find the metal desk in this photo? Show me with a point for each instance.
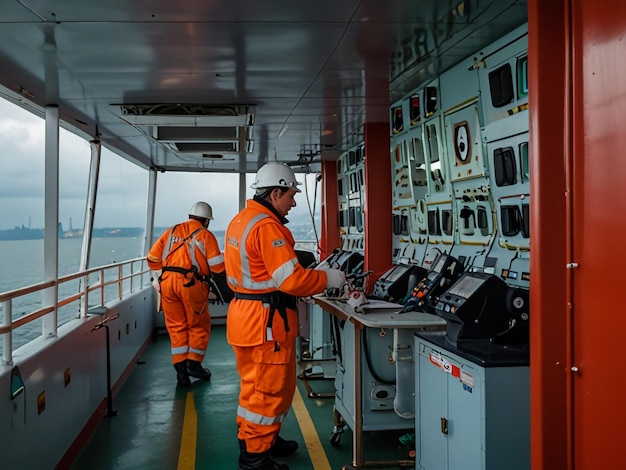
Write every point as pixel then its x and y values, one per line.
pixel 383 319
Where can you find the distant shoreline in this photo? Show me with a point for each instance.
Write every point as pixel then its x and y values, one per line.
pixel 25 233
pixel 300 232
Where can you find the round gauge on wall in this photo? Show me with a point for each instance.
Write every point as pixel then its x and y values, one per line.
pixel 462 138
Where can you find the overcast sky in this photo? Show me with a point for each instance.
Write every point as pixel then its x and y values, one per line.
pixel 122 189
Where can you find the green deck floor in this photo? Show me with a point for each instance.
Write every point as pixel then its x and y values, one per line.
pixel 154 418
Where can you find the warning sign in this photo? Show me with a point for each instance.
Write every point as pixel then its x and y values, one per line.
pixel 452 369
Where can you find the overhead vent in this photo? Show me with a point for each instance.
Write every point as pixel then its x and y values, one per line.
pixel 188 115
pixel 195 130
pixel 205 147
pixel 199 139
pixel 197 134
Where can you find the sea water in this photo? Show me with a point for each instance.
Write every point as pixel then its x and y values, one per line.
pixel 22 265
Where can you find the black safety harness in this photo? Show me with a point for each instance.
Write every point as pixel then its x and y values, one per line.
pixel 278 302
pixel 184 271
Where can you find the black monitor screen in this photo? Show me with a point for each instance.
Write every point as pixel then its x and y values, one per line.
pixel 395 273
pixel 466 286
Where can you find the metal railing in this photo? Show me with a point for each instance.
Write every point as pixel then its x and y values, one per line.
pixel 121 278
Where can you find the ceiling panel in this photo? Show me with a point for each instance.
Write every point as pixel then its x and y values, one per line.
pixel 307 67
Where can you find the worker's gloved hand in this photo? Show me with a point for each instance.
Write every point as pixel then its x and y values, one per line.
pixel 322 266
pixel 335 278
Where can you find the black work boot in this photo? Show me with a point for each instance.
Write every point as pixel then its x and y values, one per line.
pixel 195 369
pixel 181 374
pixel 261 461
pixel 283 448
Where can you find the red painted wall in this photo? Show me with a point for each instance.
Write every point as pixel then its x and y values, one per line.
pixel 330 237
pixel 549 337
pixel 577 80
pixel 599 230
pixel 378 192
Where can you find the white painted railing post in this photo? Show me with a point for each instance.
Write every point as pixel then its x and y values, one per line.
pixel 7 338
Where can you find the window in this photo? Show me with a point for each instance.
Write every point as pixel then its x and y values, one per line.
pixel 414 110
pixel 121 203
pixel 436 168
pixel 22 135
pixel 446 221
pixel 418 167
pixel 504 166
pixel 525 220
pixel 431 100
pixel 360 153
pixel 352 158
pixel 501 86
pixel 217 189
pixel 342 218
pixel 307 202
pixel 524 163
pixel 510 216
pixel 483 221
pixel 434 227
pixel 522 77
pixel 397 123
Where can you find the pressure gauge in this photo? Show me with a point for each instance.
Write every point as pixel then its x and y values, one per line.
pixel 461 142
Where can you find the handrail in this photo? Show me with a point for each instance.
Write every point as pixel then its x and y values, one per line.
pixel 26 290
pixel 8 325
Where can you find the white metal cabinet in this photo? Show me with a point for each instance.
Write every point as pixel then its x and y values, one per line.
pixel 470 416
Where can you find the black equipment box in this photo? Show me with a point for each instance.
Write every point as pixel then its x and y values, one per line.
pixel 396 283
pixel 475 307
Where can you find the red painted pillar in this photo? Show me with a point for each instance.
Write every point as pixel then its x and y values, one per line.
pixel 378 204
pixel 549 324
pixel 330 237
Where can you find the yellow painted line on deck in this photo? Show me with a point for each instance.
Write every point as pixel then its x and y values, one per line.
pixel 187 455
pixel 311 439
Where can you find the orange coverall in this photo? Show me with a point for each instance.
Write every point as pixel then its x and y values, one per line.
pixel 184 298
pixel 260 258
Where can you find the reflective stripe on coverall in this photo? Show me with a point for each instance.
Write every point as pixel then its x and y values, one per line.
pixel 260 258
pixel 186 309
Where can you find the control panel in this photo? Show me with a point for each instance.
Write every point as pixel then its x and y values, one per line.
pixel 475 307
pixel 446 269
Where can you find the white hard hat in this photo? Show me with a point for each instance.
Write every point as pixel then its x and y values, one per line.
pixel 201 209
pixel 275 174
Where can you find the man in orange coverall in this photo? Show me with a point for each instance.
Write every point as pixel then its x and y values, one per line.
pixel 183 258
pixel 262 323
